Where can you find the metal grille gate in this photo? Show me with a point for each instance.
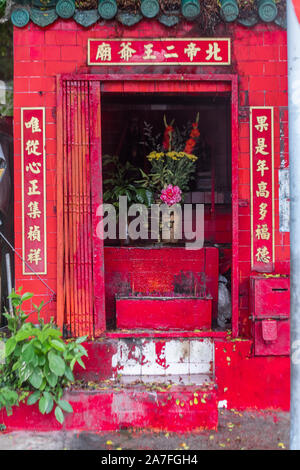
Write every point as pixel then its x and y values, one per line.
pixel 75 269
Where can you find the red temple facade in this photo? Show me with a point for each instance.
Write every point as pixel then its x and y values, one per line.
pixel 152 310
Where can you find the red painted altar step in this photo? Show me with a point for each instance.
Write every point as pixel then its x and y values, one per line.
pixel 171 408
pixel 144 356
pixel 164 313
pixel 161 384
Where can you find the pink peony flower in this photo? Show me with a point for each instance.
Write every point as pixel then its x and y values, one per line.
pixel 171 195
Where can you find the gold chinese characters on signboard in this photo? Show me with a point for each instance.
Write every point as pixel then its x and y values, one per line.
pixel 33 191
pixel 262 188
pixel 186 51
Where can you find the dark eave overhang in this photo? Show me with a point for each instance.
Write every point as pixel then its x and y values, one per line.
pixel 88 12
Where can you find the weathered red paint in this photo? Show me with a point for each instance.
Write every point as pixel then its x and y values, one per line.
pixel 248 382
pixel 271 337
pixel 243 380
pixel 181 409
pixel 270 308
pixel 164 313
pixel 270 297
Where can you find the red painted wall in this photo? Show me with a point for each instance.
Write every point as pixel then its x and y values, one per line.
pixel 259 57
pixel 248 382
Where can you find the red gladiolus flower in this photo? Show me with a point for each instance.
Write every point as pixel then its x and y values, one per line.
pixel 167 137
pixel 191 142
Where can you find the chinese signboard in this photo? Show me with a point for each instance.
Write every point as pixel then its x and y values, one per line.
pixel 33 190
pixel 159 51
pixel 262 188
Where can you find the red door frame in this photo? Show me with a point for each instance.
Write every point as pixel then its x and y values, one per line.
pixel 116 83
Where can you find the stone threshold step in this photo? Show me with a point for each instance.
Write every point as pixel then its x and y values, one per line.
pixel 183 379
pixel 148 333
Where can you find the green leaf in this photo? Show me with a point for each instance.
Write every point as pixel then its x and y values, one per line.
pixel 52 379
pixel 65 405
pixel 140 195
pixel 26 296
pixel 41 360
pixel 33 398
pixel 46 403
pixel 43 384
pixel 10 346
pixel 69 374
pixel 72 363
pixel 28 353
pixel 15 366
pixel 50 406
pixel 149 197
pixel 59 415
pixel 56 363
pixel 80 349
pixel 39 307
pixel 57 344
pixel 52 332
pixel 43 403
pixel 80 363
pixel 81 339
pixel 25 371
pixel 37 344
pixel 36 378
pixel 24 334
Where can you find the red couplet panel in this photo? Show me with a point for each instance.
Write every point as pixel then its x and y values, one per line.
pixel 34 190
pixel 164 313
pixel 262 188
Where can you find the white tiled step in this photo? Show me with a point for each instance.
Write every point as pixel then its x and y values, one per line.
pixel 152 357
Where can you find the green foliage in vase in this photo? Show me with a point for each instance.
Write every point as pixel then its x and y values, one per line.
pixel 120 181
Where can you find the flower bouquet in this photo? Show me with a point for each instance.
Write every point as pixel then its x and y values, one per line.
pixel 172 163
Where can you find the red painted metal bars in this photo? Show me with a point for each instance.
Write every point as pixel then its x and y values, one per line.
pixel 75 262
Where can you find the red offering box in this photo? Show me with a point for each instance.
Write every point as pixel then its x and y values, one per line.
pixel 164 313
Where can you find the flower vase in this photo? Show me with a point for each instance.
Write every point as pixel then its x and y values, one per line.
pixel 167 224
pixel 172 225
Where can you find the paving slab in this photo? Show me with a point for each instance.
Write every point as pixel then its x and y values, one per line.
pixel 238 430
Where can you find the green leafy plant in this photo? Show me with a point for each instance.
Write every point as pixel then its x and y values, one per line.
pixel 37 360
pixel 8 399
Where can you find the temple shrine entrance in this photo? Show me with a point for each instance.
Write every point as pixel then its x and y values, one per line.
pixel 113 131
